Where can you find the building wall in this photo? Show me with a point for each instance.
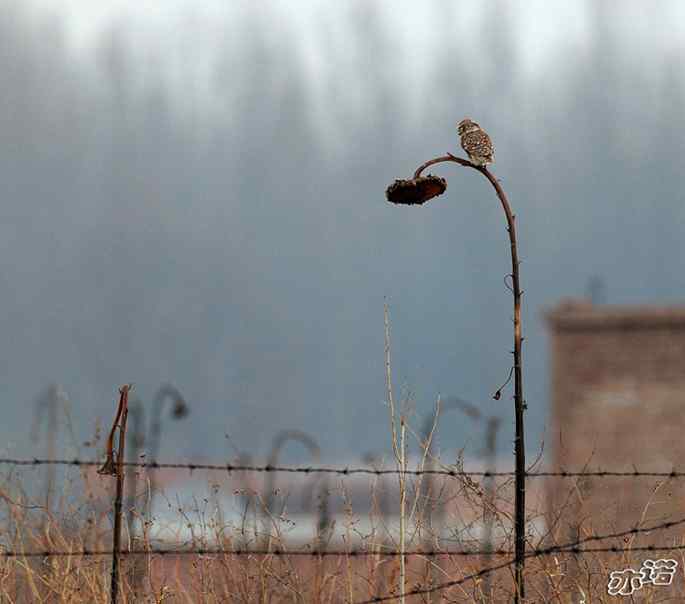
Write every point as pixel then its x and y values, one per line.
pixel 618 404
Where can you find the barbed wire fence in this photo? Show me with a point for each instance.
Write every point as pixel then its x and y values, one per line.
pixel 34 461
pixel 572 547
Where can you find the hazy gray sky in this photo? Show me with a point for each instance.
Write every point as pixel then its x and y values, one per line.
pixel 196 195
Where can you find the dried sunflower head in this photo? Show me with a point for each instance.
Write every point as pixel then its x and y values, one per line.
pixel 180 409
pixel 416 191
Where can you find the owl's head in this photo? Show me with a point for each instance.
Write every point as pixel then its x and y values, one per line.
pixel 467 125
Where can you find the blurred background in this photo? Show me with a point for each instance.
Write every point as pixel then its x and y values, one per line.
pixel 194 193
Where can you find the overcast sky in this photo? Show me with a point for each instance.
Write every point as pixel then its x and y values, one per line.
pixel 195 195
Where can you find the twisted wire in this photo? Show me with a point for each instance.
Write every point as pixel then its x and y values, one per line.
pixel 346 471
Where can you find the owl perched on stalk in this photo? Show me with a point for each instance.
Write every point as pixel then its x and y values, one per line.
pixel 475 142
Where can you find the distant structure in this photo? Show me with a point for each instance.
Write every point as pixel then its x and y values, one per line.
pixel 596 288
pixel 617 404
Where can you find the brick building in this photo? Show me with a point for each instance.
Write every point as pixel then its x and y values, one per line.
pixel 618 404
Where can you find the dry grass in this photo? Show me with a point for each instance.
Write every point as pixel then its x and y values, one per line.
pixel 234 511
pixel 83 521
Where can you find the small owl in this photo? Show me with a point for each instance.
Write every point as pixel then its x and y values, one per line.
pixel 475 142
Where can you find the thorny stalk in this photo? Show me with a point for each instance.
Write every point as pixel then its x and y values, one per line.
pixel 519 402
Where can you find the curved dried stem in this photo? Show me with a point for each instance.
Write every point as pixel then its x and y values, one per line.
pixel 519 402
pixel 443 158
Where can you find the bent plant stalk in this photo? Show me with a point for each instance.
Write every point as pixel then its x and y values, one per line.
pixel 116 468
pixel 519 402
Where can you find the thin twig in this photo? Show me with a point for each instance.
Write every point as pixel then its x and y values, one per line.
pixel 399 451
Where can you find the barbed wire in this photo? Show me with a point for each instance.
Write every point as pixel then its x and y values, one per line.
pixel 428 590
pixel 242 552
pixel 565 549
pixel 569 548
pixel 337 470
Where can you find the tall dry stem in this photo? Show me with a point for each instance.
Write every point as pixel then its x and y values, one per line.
pixel 417 191
pixel 399 451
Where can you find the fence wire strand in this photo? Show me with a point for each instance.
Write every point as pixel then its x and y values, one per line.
pixel 227 467
pixel 282 553
pixel 571 548
pixel 567 548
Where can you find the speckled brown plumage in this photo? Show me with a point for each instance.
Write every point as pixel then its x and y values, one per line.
pixel 476 142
